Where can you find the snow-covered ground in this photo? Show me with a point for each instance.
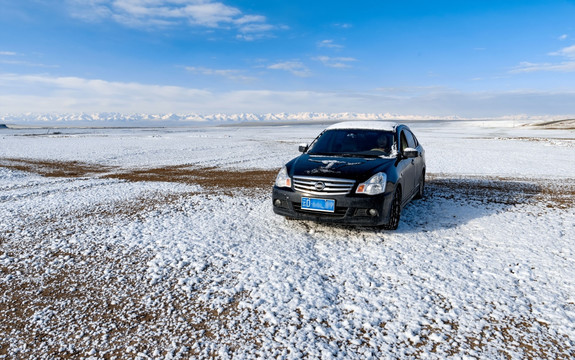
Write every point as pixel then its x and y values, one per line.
pixel 97 266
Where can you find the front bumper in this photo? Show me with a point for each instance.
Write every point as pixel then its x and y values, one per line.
pixel 349 209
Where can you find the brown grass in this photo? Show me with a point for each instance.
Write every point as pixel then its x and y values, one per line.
pixel 208 177
pixel 505 190
pixel 529 338
pixel 49 168
pixel 566 124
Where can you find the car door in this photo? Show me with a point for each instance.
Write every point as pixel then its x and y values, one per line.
pixel 416 162
pixel 406 168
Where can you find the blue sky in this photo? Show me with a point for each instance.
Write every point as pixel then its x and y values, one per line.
pixel 422 58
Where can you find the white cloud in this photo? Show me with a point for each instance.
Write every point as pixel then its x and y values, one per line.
pixel 563 37
pixel 329 44
pixel 41 93
pixel 13 58
pixel 527 67
pixel 568 52
pixel 568 65
pixel 47 93
pixel 343 25
pixel 295 67
pixel 162 13
pixel 27 63
pixel 412 90
pixel 335 62
pixel 231 74
pixel 253 31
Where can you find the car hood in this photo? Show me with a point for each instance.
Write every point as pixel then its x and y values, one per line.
pixel 338 167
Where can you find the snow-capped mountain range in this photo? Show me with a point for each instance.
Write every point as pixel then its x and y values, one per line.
pixel 124 119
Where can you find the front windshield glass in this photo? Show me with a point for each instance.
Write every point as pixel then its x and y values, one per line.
pixel 352 142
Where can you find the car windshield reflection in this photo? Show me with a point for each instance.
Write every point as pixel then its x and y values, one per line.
pixel 354 143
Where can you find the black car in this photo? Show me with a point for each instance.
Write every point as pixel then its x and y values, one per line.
pixel 357 172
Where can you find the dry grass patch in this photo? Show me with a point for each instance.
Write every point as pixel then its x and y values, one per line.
pixel 524 338
pixel 566 124
pixel 505 190
pixel 560 195
pixel 491 189
pixel 49 168
pixel 207 177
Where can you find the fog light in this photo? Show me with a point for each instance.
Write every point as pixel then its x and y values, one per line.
pixel 373 212
pixel 277 202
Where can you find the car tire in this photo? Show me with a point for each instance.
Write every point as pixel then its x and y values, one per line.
pixel 421 190
pixel 395 211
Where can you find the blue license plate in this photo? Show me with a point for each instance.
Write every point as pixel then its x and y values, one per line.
pixel 317 204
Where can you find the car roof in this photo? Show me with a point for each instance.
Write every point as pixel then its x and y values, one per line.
pixel 365 125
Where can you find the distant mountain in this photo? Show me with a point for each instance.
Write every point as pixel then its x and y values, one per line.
pixel 120 119
pixel 173 119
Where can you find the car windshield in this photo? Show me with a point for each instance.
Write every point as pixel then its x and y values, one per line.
pixel 354 142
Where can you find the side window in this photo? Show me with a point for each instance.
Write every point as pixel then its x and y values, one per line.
pixel 403 141
pixel 410 139
pixel 414 138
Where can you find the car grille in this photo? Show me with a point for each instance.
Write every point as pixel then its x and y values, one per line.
pixel 331 186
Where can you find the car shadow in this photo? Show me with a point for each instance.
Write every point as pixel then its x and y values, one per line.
pixel 451 202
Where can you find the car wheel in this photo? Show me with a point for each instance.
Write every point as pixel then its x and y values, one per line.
pixel 421 191
pixel 395 212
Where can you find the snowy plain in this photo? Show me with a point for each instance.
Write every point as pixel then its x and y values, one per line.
pixel 105 267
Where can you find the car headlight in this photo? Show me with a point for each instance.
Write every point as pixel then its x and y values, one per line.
pixel 375 185
pixel 283 179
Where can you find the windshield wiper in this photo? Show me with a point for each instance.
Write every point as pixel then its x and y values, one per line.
pixel 323 154
pixel 370 155
pixel 350 155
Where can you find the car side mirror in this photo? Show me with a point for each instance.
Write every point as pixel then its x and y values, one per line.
pixel 410 153
pixel 303 147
